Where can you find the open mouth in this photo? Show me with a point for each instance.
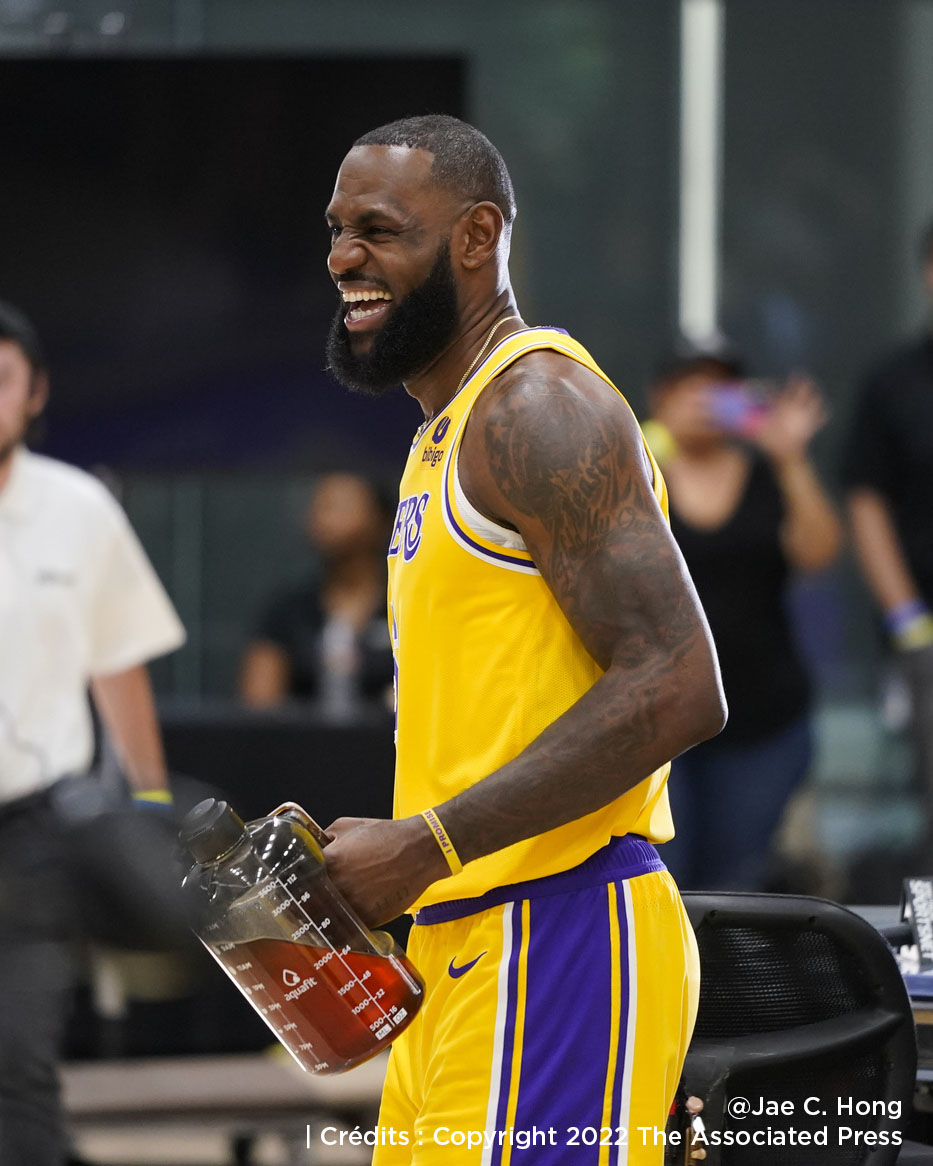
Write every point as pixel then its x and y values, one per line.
pixel 365 307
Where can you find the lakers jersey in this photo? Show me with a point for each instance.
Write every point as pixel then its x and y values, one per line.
pixel 485 659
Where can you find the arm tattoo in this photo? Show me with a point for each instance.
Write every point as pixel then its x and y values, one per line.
pixel 575 478
pixel 566 463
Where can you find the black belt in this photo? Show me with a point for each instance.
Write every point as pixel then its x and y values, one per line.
pixel 27 804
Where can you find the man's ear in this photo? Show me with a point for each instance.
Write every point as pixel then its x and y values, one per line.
pixel 38 394
pixel 481 231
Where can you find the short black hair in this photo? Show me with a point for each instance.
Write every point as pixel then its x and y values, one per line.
pixel 16 328
pixel 715 356
pixel 465 161
pixel 671 373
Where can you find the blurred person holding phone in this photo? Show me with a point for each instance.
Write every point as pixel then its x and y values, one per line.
pixel 887 471
pixel 748 511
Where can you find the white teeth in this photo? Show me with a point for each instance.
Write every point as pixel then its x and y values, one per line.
pixel 356 314
pixel 354 297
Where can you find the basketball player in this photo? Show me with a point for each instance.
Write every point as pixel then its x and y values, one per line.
pixel 551 657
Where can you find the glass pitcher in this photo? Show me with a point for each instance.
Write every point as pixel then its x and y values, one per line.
pixel 333 992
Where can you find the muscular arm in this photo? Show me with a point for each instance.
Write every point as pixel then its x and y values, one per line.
pixel 127 709
pixel 555 453
pixel 878 549
pixel 812 532
pixel 552 451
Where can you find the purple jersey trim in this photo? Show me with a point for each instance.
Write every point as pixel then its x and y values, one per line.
pixel 623 857
pixel 491 353
pixel 500 556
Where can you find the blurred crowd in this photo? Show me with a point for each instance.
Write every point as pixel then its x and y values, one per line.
pixel 327 640
pixel 752 515
pixel 750 512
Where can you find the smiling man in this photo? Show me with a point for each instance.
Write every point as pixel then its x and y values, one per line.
pixel 551 657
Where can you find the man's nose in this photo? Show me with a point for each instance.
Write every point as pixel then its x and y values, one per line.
pixel 346 254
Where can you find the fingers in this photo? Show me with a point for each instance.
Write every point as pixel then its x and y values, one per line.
pixel 802 389
pixel 802 401
pixel 340 827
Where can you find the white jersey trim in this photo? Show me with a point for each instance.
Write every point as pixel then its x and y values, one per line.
pixel 480 524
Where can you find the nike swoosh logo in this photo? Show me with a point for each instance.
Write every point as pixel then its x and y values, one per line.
pixel 457 972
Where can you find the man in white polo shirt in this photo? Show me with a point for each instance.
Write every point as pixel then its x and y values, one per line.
pixel 80 609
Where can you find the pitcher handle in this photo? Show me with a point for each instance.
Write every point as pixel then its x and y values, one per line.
pixel 297 813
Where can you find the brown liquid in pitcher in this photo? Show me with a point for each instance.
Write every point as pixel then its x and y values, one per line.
pixel 332 1010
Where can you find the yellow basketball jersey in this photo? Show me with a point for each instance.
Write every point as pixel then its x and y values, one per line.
pixel 485 659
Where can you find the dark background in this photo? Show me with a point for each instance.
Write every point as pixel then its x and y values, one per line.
pixel 165 229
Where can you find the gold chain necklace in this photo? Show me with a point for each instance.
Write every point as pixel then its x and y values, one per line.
pixel 476 359
pixel 473 363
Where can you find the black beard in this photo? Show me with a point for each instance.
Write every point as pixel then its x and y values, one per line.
pixel 419 329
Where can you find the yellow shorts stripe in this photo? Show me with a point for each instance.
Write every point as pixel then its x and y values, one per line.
pixel 540 1020
pixel 616 1010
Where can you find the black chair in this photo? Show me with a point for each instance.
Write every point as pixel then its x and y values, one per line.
pixel 800 999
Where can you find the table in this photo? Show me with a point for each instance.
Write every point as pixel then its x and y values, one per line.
pixel 242 1095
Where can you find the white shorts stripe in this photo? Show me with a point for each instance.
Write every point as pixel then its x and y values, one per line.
pixel 498 1048
pixel 625 1098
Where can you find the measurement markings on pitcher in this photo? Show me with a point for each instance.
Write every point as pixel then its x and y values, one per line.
pixel 380 1027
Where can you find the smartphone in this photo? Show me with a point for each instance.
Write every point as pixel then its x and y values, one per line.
pixel 742 406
